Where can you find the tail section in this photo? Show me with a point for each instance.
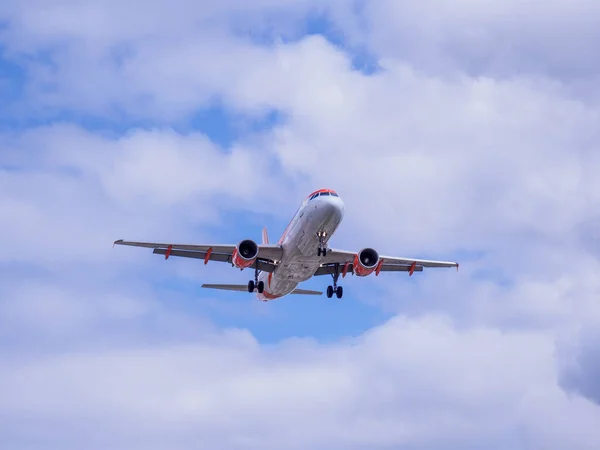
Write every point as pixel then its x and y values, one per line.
pixel 265 236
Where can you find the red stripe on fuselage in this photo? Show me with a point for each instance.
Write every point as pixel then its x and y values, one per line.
pixel 269 296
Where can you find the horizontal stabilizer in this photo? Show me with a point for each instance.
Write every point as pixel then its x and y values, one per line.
pixel 244 288
pixel 306 292
pixel 227 287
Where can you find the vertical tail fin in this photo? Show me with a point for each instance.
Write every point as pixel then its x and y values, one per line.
pixel 265 236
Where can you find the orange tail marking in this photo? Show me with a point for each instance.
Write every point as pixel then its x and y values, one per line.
pixel 168 252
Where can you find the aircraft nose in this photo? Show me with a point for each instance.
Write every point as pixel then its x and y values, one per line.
pixel 335 205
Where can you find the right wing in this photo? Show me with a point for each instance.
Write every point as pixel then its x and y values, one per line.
pixel 336 257
pixel 267 253
pixel 329 269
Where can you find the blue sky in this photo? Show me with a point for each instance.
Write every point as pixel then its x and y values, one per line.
pixel 463 132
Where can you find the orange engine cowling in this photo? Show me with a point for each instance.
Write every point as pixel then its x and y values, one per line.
pixel 365 262
pixel 244 254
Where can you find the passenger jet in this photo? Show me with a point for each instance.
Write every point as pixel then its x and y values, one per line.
pixel 301 253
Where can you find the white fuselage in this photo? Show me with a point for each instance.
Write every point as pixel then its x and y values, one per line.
pixel 300 243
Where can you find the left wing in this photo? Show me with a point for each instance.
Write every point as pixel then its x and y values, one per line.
pixel 267 253
pixel 336 258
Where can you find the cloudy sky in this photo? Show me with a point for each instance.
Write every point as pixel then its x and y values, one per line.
pixel 461 130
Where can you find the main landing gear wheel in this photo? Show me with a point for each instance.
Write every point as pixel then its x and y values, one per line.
pixel 339 292
pixel 259 285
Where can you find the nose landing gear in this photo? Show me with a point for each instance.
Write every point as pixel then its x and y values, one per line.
pixel 322 247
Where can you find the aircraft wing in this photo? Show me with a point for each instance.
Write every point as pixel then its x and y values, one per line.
pixel 267 253
pixel 388 263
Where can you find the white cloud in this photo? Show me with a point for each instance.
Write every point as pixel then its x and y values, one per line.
pixel 405 383
pixel 498 38
pixel 445 164
pixel 80 191
pixel 107 57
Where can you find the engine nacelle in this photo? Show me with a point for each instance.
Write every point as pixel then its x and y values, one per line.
pixel 365 262
pixel 244 254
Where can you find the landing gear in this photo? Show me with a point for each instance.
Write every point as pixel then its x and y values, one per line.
pixel 259 285
pixel 322 248
pixel 338 290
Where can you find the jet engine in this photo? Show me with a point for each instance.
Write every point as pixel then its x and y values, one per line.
pixel 244 254
pixel 365 262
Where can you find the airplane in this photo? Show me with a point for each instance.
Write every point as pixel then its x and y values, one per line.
pixel 301 253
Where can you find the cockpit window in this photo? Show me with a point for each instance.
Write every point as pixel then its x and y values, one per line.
pixel 323 193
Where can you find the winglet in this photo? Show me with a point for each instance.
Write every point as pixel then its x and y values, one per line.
pixel 265 236
pixel 118 241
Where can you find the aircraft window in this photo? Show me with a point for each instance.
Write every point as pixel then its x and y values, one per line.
pixel 324 193
pixel 313 196
pixel 334 194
